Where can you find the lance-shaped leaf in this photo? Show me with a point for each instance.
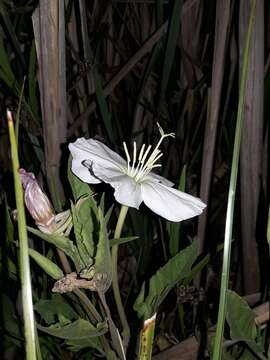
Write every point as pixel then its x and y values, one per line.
pixel 83 229
pixel 100 273
pixel 78 329
pixel 46 264
pixel 63 243
pixel 175 270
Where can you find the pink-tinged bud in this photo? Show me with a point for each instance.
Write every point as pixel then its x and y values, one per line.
pixel 37 201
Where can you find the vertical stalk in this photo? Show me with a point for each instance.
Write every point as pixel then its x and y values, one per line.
pixel 86 303
pixel 28 313
pixel 218 346
pixel 115 285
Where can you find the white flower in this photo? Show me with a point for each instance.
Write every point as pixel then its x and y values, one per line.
pixel 132 179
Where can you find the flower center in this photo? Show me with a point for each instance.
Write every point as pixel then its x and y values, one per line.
pixel 140 165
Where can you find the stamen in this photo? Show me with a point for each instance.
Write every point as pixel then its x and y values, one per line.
pixel 150 162
pixel 141 166
pixel 158 156
pixel 153 156
pixel 136 169
pixel 134 154
pixel 127 155
pixel 141 152
pixel 126 151
pixel 146 153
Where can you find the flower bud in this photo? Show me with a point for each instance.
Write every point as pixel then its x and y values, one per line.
pixel 37 201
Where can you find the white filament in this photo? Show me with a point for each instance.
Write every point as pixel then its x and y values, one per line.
pixel 143 164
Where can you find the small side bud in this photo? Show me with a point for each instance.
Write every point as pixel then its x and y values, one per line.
pixel 37 201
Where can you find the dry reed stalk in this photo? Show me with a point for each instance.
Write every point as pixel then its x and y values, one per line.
pixel 49 32
pixel 223 11
pixel 252 141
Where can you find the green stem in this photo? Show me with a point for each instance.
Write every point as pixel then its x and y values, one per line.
pixel 89 307
pixel 86 303
pixel 94 317
pixel 27 303
pixel 115 285
pixel 115 337
pixel 218 346
pixel 146 338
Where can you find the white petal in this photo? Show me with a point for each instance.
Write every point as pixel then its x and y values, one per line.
pixel 95 151
pixel 170 203
pixel 127 191
pixel 83 172
pixel 160 179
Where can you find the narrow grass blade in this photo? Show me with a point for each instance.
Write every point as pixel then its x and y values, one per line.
pixel 173 34
pixel 28 313
pixel 101 99
pixel 32 80
pixel 11 32
pixel 17 124
pixel 218 347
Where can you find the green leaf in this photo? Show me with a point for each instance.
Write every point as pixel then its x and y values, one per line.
pixel 63 243
pixel 32 81
pixel 101 270
pixel 173 33
pixel 6 73
pixel 9 28
pixel 175 270
pixel 240 318
pixel 12 269
pixel 77 330
pixel 123 240
pixel 9 225
pixel 56 310
pixel 18 112
pixel 200 265
pixel 82 217
pixel 10 321
pixel 46 264
pixel 103 260
pixel 103 107
pixel 232 187
pixel 79 344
